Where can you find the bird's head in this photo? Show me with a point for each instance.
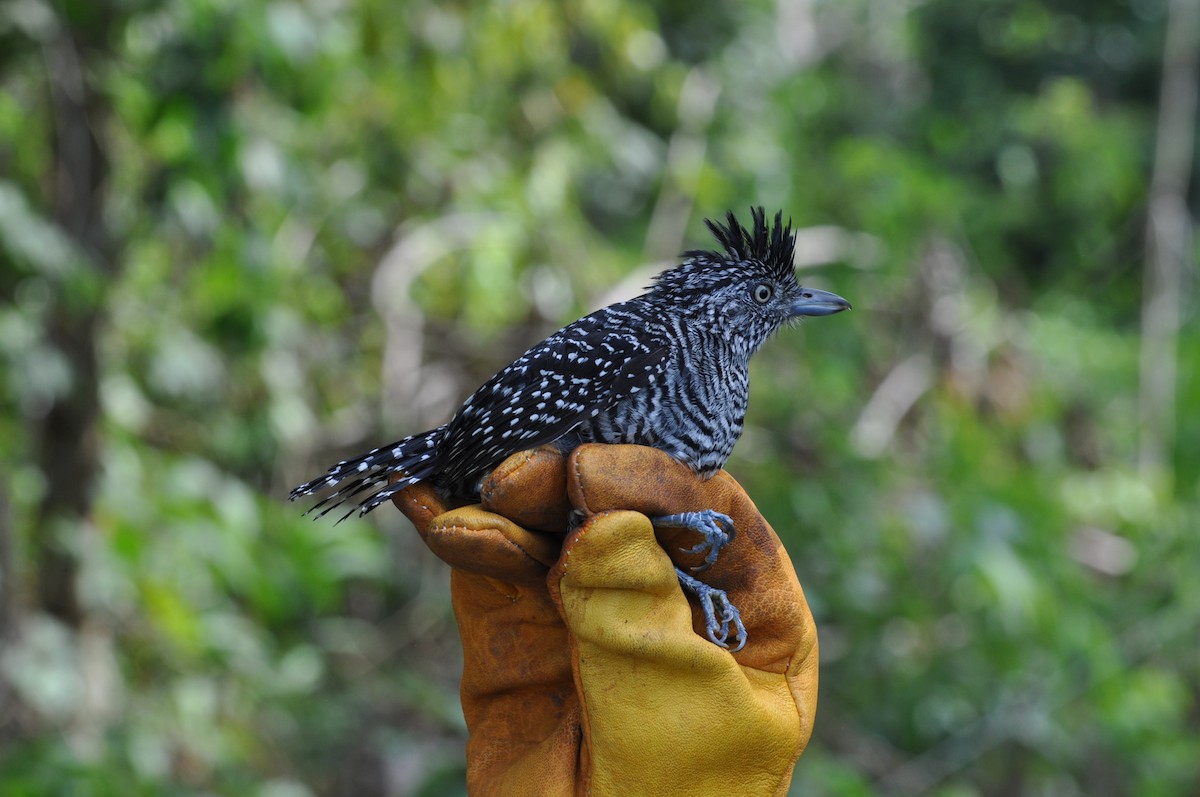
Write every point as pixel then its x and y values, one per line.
pixel 748 289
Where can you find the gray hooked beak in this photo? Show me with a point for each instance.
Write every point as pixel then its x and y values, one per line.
pixel 815 302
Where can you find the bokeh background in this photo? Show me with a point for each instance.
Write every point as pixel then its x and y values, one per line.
pixel 241 239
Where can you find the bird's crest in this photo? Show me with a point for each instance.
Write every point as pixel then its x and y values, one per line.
pixel 774 246
pixel 770 247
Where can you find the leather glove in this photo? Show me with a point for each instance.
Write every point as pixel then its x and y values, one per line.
pixel 585 666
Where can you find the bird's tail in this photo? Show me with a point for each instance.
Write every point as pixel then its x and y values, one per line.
pixel 412 459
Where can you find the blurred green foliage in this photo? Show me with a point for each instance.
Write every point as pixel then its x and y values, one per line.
pixel 238 240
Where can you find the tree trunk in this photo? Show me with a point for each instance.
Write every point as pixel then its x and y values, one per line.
pixel 67 432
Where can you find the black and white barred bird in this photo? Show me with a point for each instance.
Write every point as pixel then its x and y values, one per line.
pixel 667 369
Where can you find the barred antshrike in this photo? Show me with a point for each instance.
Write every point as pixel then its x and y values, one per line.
pixel 668 369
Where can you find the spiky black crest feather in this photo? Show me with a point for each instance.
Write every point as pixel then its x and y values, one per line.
pixel 774 246
pixel 767 250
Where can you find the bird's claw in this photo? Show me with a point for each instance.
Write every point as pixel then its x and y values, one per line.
pixel 716 529
pixel 720 615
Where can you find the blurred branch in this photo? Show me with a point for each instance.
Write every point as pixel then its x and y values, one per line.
pixel 405 383
pixel 1168 235
pixel 895 396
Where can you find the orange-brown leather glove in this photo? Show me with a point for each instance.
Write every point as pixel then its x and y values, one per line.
pixel 586 669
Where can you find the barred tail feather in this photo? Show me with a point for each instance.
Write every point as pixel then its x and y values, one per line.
pixel 412 458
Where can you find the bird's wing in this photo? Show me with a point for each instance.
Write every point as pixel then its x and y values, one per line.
pixel 573 375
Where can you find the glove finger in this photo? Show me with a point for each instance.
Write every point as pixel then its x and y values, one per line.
pixel 476 540
pixel 616 552
pixel 616 584
pixel 754 569
pixel 653 690
pixel 644 479
pixel 420 503
pixel 473 539
pixel 530 488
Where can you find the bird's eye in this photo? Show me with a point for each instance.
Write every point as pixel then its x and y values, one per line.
pixel 763 293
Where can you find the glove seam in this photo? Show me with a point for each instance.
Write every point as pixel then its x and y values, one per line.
pixel 426 507
pixel 579 483
pixel 442 527
pixel 490 486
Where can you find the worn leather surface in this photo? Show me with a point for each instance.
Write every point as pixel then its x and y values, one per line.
pixel 586 670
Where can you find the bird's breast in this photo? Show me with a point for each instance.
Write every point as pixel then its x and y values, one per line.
pixel 694 414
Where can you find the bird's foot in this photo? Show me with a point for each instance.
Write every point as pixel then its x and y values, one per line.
pixel 719 614
pixel 716 528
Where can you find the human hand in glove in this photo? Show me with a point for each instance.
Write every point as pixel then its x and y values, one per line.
pixel 586 668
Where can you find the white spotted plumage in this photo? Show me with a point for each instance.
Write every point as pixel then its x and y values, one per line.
pixel 667 369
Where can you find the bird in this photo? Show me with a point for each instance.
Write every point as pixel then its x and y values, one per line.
pixel 667 369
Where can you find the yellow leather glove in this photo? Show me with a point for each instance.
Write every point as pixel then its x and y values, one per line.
pixel 586 670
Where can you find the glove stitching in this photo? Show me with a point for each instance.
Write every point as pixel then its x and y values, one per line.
pixel 440 527
pixel 565 561
pixel 425 506
pixel 579 482
pixel 492 486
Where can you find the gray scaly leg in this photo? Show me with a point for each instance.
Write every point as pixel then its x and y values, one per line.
pixel 716 529
pixel 719 613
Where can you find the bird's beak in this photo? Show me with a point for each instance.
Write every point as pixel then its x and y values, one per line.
pixel 815 302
